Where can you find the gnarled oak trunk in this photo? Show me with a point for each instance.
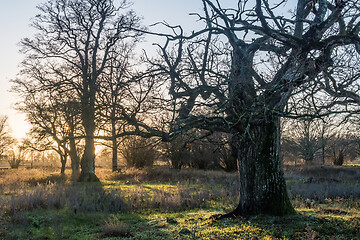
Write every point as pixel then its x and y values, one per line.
pixel 262 183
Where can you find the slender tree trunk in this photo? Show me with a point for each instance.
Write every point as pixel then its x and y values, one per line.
pixel 63 163
pixel 63 158
pixel 75 159
pixel 114 143
pixel 114 155
pixel 262 183
pixel 323 153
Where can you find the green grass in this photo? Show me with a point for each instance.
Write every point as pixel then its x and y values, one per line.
pixel 331 219
pixel 307 224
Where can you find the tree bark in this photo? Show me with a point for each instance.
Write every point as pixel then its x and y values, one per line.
pixel 88 162
pixel 88 121
pixel 262 183
pixel 114 155
pixel 75 159
pixel 63 163
pixel 114 143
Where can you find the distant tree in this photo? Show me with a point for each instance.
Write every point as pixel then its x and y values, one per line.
pixel 17 154
pixel 176 153
pixel 115 95
pixel 75 42
pixel 54 118
pixel 342 145
pixel 305 139
pixel 6 140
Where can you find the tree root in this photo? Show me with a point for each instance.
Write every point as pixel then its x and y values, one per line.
pixel 232 215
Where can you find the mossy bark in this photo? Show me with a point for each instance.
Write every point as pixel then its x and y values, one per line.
pixel 262 183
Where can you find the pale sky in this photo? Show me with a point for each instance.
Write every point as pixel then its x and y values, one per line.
pixel 15 18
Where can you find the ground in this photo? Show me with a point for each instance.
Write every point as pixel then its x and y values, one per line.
pixel 159 203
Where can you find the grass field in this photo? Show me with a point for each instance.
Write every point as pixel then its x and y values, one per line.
pixel 159 203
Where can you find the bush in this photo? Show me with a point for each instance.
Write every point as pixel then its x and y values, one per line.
pixel 139 152
pixel 203 155
pixel 177 153
pixel 113 227
pixel 228 159
pixel 195 155
pixel 208 154
pixel 339 158
pixel 14 162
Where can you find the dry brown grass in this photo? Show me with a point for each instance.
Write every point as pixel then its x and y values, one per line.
pixel 138 190
pixel 165 174
pixel 38 189
pixel 58 196
pixel 113 227
pixel 13 179
pixel 316 173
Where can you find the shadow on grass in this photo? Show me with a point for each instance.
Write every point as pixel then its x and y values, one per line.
pixel 66 224
pixel 47 224
pixel 72 211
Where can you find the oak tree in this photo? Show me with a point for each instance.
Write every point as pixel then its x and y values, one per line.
pixel 237 74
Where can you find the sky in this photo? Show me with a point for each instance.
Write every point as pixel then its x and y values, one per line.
pixel 15 16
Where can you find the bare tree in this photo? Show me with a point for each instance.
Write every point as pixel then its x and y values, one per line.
pixel 242 83
pixel 55 121
pixel 6 140
pixel 75 43
pixel 113 97
pixel 306 138
pixel 18 154
pixel 342 144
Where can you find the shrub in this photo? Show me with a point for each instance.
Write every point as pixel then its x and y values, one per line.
pixel 228 161
pixel 177 153
pixel 14 162
pixel 139 152
pixel 197 154
pixel 339 158
pixel 210 153
pixel 113 227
